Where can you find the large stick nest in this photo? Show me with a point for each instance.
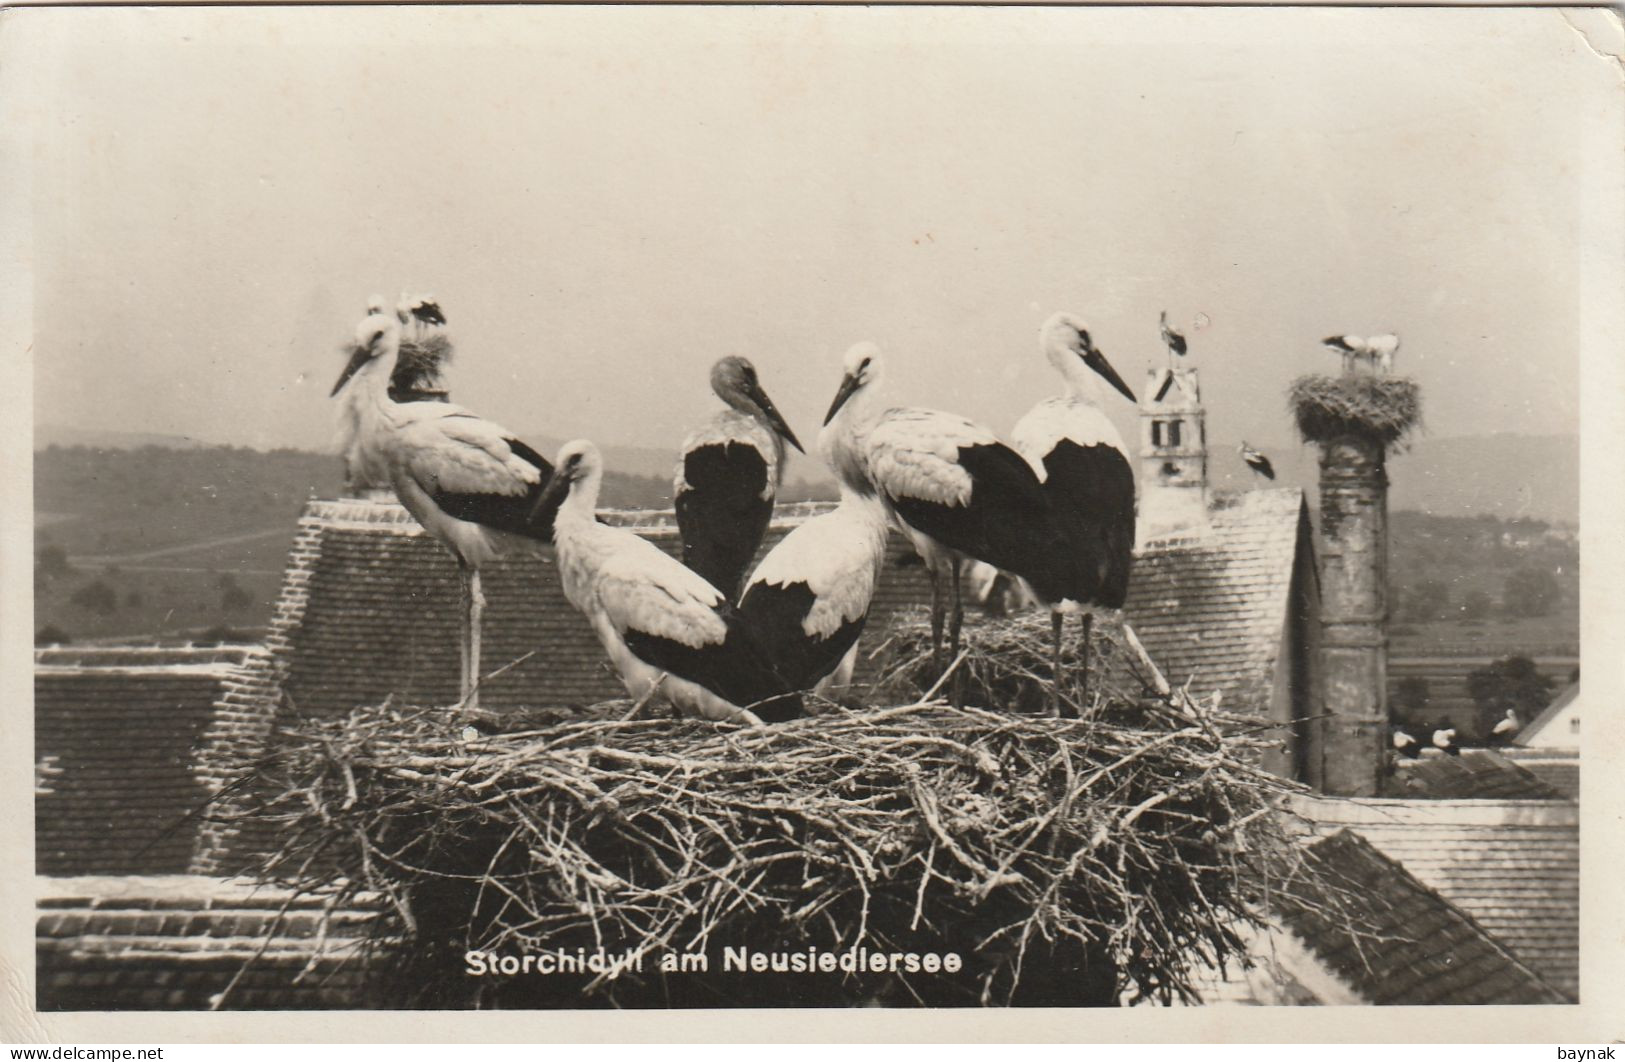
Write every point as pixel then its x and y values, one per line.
pixel 420 370
pixel 1383 408
pixel 1066 860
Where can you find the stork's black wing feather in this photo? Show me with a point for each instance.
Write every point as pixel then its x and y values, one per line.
pixel 721 515
pixel 1091 492
pixel 738 670
pixel 508 512
pixel 773 615
pixel 1006 523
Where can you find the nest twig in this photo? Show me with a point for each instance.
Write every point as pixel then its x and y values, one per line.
pixel 1383 408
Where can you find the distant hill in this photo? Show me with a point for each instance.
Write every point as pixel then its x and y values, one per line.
pixel 47 435
pixel 652 467
pixel 1507 476
pixel 164 538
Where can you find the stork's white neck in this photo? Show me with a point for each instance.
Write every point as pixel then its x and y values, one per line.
pixel 581 504
pixel 370 385
pixel 840 441
pixel 1081 381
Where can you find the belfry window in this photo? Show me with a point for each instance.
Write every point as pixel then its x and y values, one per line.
pixel 1165 432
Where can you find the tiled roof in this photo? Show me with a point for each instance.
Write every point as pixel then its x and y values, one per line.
pixel 378 610
pixel 1513 865
pixel 1557 767
pixel 174 942
pixel 380 616
pixel 1477 774
pixel 1212 606
pixel 114 739
pixel 1394 939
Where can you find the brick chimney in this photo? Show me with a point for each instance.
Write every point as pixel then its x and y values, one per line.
pixel 1173 456
pixel 1354 613
pixel 1354 418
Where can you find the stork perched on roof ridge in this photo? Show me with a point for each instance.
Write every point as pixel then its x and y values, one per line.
pixel 1505 728
pixel 1087 479
pixel 1256 460
pixel 727 475
pixel 1444 739
pixel 663 626
pixel 461 476
pixel 950 485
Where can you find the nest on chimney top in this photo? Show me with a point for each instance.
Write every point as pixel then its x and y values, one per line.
pixel 422 364
pixel 1384 409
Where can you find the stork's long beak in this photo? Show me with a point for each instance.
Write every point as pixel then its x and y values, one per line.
pixel 361 356
pixel 1097 361
pixel 849 385
pixel 558 484
pixel 771 411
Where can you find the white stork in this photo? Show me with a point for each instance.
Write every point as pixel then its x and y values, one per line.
pixel 420 312
pixel 951 486
pixel 1381 350
pixel 729 471
pixel 1350 347
pixel 1504 729
pixel 808 600
pixel 459 475
pixel 1444 739
pixel 1256 460
pixel 1172 339
pixel 664 627
pixel 1087 477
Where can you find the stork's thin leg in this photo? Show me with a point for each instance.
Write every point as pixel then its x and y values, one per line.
pixel 464 600
pixel 955 622
pixel 937 663
pixel 1056 621
pixel 1088 631
pixel 476 617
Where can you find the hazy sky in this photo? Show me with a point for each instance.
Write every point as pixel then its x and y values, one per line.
pixel 605 200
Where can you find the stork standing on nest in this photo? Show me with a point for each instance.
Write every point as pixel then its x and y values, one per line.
pixel 808 600
pixel 1087 479
pixel 664 627
pixel 951 486
pixel 727 476
pixel 462 477
pixel 421 313
pixel 1381 350
pixel 1350 347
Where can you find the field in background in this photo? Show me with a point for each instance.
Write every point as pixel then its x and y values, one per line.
pixel 188 539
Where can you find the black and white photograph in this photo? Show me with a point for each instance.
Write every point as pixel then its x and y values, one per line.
pixel 666 508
